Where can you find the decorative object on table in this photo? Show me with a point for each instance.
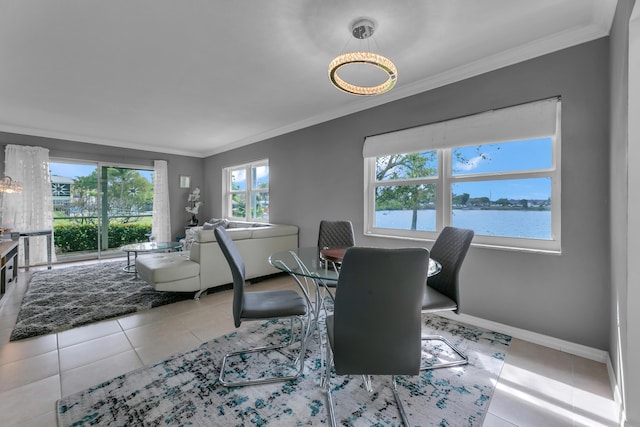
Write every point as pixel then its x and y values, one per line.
pixel 69 297
pixel 193 206
pixel 362 29
pixel 184 389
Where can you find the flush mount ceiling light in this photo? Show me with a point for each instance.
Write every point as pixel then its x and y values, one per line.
pixel 362 29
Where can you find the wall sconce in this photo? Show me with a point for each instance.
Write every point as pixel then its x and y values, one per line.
pixel 185 181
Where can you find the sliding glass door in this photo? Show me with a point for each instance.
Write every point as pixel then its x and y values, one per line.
pixel 99 207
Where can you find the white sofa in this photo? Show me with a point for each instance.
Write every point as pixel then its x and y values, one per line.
pixel 204 266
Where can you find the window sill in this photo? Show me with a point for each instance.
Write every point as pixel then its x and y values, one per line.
pixel 531 250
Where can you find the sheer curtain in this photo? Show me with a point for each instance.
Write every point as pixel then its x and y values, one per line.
pixel 161 221
pixel 32 209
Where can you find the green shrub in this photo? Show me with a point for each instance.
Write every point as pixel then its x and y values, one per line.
pixel 84 237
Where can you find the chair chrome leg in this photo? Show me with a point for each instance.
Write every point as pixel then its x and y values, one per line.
pixel 366 379
pixel 403 414
pixel 394 388
pixel 299 359
pixel 326 383
pixel 463 358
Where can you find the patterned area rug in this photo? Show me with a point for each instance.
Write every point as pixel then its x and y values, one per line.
pixel 68 297
pixel 184 389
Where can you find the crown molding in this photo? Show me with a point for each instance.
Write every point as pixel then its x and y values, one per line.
pixel 543 46
pixel 65 136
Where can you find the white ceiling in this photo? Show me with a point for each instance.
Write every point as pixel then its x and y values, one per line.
pixel 198 77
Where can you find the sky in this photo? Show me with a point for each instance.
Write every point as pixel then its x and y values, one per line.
pixel 506 157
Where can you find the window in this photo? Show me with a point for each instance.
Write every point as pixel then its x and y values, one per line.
pixel 247 185
pixel 98 207
pixel 497 173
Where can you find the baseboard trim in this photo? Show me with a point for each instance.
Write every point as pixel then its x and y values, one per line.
pixel 536 338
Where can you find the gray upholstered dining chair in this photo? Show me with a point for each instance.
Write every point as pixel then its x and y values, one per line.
pixel 335 234
pixel 376 323
pixel 263 305
pixel 442 293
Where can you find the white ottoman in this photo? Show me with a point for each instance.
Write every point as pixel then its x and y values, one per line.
pixel 172 272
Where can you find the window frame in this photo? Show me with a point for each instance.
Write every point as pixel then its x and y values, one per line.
pixel 444 206
pixel 227 192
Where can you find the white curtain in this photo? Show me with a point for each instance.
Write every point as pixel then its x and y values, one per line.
pixel 31 209
pixel 161 221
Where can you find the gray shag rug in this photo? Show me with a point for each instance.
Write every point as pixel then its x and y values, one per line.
pixel 184 390
pixel 68 297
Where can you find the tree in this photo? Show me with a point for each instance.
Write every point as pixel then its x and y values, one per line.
pixel 128 193
pixel 85 193
pixel 479 201
pixel 406 196
pixel 460 199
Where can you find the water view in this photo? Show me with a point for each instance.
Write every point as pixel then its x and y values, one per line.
pixel 531 224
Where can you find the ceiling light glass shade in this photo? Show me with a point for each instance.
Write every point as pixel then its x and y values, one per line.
pixel 368 58
pixel 8 185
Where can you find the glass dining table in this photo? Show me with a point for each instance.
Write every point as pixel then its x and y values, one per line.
pixel 313 267
pixel 321 264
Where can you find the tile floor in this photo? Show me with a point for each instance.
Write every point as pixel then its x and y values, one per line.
pixel 538 386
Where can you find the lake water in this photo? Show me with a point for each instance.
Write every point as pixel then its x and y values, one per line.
pixel 526 224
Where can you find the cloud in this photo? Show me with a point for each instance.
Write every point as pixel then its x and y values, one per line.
pixel 470 164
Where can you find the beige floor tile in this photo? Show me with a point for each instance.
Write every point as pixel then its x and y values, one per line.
pixel 22 404
pixel 534 384
pixel 93 350
pixel 25 371
pixel 143 318
pixel 88 332
pixel 182 307
pixel 85 376
pixel 493 421
pixel 594 411
pixel 592 377
pixel 30 347
pixel 11 304
pixel 166 346
pixel 5 332
pixel 45 420
pixel 518 406
pixel 153 332
pixel 217 329
pixel 8 323
pixel 544 361
pixel 199 318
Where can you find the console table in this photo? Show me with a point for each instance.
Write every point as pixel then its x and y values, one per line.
pixel 8 263
pixel 27 235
